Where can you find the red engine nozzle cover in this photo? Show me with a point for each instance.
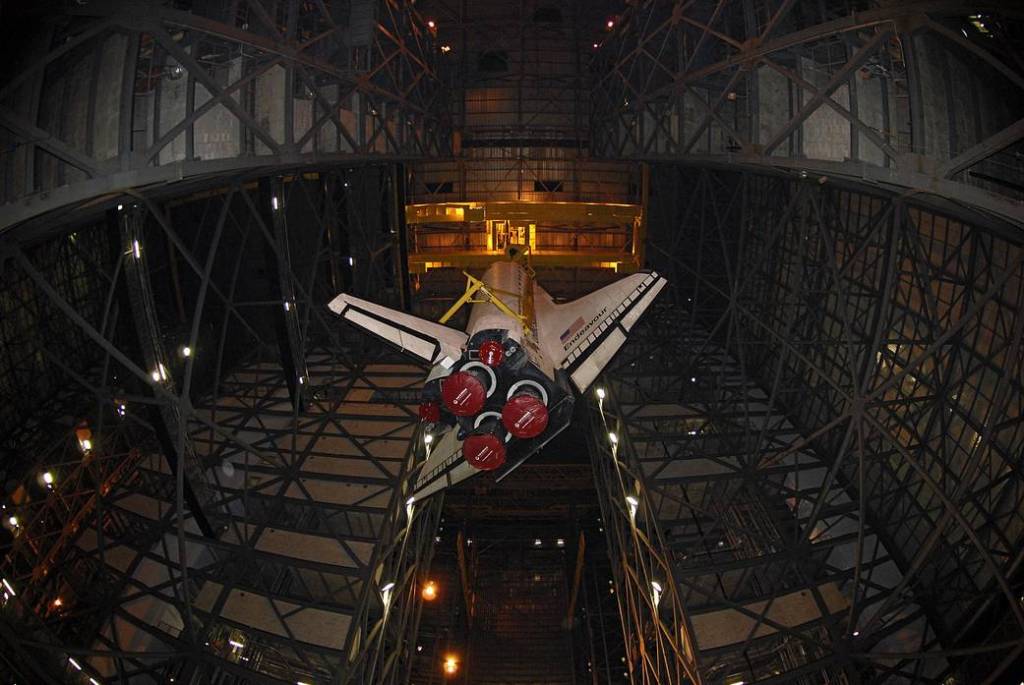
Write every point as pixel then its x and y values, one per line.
pixel 492 353
pixel 463 393
pixel 484 451
pixel 430 411
pixel 524 415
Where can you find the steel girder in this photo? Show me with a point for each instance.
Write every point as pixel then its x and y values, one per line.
pixel 832 408
pixel 917 96
pixel 133 95
pixel 312 519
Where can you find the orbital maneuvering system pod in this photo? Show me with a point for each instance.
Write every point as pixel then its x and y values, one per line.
pixel 503 388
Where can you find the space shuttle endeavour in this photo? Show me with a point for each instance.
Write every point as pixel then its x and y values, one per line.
pixel 504 387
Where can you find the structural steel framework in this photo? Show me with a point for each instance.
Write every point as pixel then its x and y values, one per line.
pixel 227 497
pixel 123 96
pixel 825 429
pixel 808 461
pixel 922 96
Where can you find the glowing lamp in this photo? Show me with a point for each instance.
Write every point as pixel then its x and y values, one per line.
pixel 429 591
pixel 451 665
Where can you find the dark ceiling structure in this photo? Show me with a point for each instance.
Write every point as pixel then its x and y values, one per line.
pixel 805 466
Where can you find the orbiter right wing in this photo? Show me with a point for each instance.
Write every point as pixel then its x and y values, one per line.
pixel 598 325
pixel 428 341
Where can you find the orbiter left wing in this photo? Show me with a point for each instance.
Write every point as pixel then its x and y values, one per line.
pixel 598 325
pixel 429 341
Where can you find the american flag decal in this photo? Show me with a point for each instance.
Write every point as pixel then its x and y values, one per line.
pixel 575 326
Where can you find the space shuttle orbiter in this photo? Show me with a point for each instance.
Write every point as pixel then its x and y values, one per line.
pixel 503 388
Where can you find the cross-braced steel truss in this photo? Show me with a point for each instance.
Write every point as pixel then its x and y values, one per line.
pixel 123 96
pixel 826 425
pixel 917 95
pixel 228 496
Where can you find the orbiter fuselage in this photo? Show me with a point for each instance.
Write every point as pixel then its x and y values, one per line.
pixel 505 386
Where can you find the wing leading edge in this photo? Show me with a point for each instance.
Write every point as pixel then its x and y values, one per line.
pixel 429 341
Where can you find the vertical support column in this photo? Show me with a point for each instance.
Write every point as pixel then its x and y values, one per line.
pixel 400 231
pixel 279 271
pixel 640 226
pixel 128 226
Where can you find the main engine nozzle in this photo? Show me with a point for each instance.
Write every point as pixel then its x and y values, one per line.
pixel 483 448
pixel 525 414
pixel 465 391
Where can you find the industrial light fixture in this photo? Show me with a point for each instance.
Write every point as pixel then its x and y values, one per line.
pixel 431 24
pixel 48 477
pixel 74 663
pixel 451 664
pixel 610 24
pixel 14 524
pixel 633 504
pixel 273 202
pixel 136 249
pixel 429 591
pixel 385 594
pixel 236 644
pixel 560 542
pixel 446 48
pixel 10 590
pixel 600 393
pixel 155 375
pixel 186 351
pixel 58 602
pixel 93 681
pixel 537 542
